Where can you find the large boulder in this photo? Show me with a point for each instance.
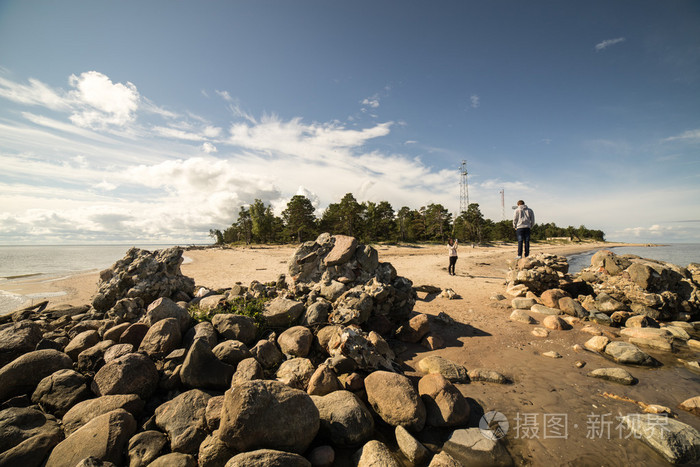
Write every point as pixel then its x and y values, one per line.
pixel 18 339
pixel 445 405
pixel 232 352
pixel 375 453
pixel 677 442
pixel 238 327
pixel 343 249
pixel 27 436
pixel 201 368
pixel 162 338
pixel 145 447
pixel 144 275
pixel 133 373
pixel 395 400
pixel 453 372
pixel 82 341
pixel 183 419
pixel 268 414
pixel 282 312
pixel 296 341
pixel 84 411
pixel 470 446
pixel 268 458
pixel 296 372
pixel 60 391
pixel 163 308
pixel 629 354
pixel 174 459
pixel 345 420
pixel 24 373
pixel 105 437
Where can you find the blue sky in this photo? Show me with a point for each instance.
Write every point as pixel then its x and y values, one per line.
pixel 155 121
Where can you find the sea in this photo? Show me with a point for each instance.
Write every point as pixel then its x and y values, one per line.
pixel 680 254
pixel 53 262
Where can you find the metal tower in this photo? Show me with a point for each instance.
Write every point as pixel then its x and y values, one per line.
pixel 463 188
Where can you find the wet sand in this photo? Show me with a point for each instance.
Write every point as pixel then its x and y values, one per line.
pixel 557 415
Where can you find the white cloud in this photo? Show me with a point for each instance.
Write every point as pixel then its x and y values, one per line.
pixel 106 186
pixel 372 101
pixel 209 148
pixel 224 95
pixel 474 101
pixel 607 43
pixel 104 103
pixel 690 135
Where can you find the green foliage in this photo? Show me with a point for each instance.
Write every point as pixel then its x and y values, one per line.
pixel 378 222
pixel 252 307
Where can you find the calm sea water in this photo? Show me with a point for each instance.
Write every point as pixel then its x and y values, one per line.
pixel 681 254
pixel 52 261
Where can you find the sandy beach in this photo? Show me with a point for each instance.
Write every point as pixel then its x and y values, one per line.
pixel 544 389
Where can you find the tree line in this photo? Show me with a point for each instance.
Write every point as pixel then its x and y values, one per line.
pixel 372 222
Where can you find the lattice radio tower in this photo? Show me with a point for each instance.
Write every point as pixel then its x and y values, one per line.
pixel 463 188
pixel 503 204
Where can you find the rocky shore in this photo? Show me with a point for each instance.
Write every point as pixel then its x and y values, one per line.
pixel 314 368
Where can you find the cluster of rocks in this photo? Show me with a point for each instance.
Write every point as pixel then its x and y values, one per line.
pixel 134 380
pixel 646 303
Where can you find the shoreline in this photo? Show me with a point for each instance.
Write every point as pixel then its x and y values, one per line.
pixel 78 287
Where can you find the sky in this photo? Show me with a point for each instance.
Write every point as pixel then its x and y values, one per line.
pixel 153 122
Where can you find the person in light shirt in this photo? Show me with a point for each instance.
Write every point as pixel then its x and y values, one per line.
pixel 452 251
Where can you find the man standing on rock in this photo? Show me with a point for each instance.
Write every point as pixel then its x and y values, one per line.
pixel 523 220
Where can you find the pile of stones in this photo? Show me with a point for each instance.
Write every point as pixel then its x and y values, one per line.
pixel 134 380
pixel 640 303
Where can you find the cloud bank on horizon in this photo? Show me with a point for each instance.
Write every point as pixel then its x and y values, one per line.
pixel 102 156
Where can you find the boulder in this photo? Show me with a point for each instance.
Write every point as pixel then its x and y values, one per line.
pixel 232 352
pixel 131 374
pixel 322 456
pixel 237 327
pixel 442 459
pixel 317 313
pixel 116 351
pixel 544 310
pixel 214 453
pixel 486 375
pixel 163 308
pixel 174 459
pixel 134 334
pixel 597 343
pixel 416 328
pixel 677 442
pixel 555 323
pixel 571 307
pixel 323 381
pixel 103 437
pixel 470 446
pixel 183 419
pixel 212 414
pixel 411 448
pixel 395 400
pixel 115 332
pixel 24 373
pixel 691 405
pixel 453 372
pixel 267 353
pixel 444 404
pixel 27 436
pixel 268 458
pixel 162 338
pixel 247 370
pixel 522 317
pixel 268 414
pixel 282 312
pixel 296 373
pixel 375 453
pixel 616 375
pixel 629 354
pixel 82 341
pixel 84 411
pixel 144 447
pixel 343 249
pixel 201 368
pixel 18 339
pixel 296 341
pixel 345 420
pixel 523 303
pixel 204 330
pixel 551 297
pixel 60 391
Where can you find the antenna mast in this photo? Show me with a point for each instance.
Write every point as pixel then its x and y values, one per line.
pixel 503 204
pixel 463 188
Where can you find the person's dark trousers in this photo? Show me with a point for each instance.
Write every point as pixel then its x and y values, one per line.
pixel 523 240
pixel 451 267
